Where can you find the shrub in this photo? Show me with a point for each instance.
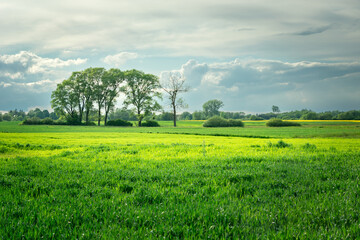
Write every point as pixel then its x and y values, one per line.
pixel 217 121
pixel 150 123
pixel 235 123
pixel 6 117
pixel 60 122
pixel 119 122
pixel 32 121
pixel 47 121
pixel 280 123
pixel 279 144
pixel 72 120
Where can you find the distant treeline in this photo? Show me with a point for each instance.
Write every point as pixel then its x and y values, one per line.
pixel 20 115
pixel 128 115
pixel 304 114
pixel 293 115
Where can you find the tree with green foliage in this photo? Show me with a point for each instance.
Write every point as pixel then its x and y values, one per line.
pixel 65 101
pixel 1 116
pixel 185 116
pixel 349 115
pixel 275 109
pixel 35 113
pixel 53 116
pixel 165 116
pixel 78 94
pixel 78 85
pixel 198 115
pixel 325 116
pixel 38 113
pixel 310 116
pixel 45 113
pixel 113 78
pixel 255 118
pixel 173 86
pixel 211 108
pixel 96 78
pixel 124 114
pixel 17 115
pixel 6 117
pixel 141 91
pixel 85 84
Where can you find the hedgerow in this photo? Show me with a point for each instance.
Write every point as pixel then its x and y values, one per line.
pixel 217 121
pixel 280 123
pixel 119 122
pixel 150 123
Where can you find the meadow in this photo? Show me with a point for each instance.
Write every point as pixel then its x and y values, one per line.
pixel 78 182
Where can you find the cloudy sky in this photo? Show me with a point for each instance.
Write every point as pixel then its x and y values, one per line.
pixel 249 54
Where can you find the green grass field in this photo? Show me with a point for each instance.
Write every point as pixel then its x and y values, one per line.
pixel 68 182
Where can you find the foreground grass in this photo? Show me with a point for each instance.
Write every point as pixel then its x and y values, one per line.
pixel 92 185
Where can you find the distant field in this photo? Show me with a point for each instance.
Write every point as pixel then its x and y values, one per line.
pixel 252 129
pixel 61 182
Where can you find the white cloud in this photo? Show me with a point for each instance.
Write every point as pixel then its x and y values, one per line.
pixel 213 78
pixel 26 78
pixel 120 58
pixel 254 85
pixel 36 64
pixel 17 75
pixel 31 87
pixel 5 85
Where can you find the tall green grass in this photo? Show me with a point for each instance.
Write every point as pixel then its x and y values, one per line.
pixel 120 185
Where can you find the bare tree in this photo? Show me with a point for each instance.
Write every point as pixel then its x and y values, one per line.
pixel 173 86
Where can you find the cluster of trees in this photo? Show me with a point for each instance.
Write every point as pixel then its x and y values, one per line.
pixel 77 96
pixel 210 108
pixel 98 88
pixel 20 115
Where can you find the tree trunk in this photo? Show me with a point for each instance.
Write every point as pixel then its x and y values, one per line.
pixel 106 116
pixel 80 114
pixel 99 116
pixel 174 116
pixel 139 118
pixel 87 116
